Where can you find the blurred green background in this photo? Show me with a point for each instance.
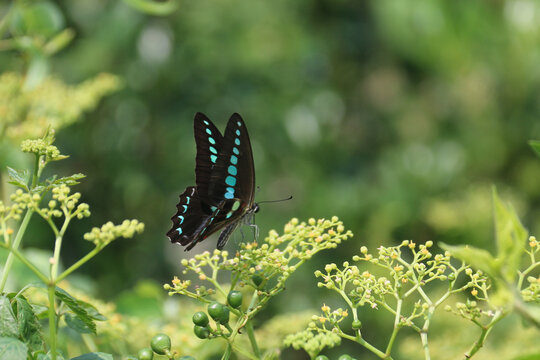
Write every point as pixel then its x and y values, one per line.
pixel 397 116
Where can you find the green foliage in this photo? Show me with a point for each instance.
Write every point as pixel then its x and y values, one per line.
pixel 273 262
pixel 19 325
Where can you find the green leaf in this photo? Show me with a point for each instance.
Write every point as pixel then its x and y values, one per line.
pixel 8 323
pixel 69 180
pixel 77 324
pixel 94 356
pixel 84 312
pixel 78 310
pixel 12 349
pixel 152 7
pixel 511 237
pixel 19 178
pixel 535 144
pixel 478 258
pixel 29 326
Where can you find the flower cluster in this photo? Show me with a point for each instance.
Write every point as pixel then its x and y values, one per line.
pixel 51 103
pixel 101 237
pixel 312 342
pixel 271 262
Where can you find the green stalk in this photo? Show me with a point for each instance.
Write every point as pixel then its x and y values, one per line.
pixel 252 339
pixel 52 321
pixel 28 264
pixel 78 264
pixel 396 329
pixel 16 243
pixel 227 353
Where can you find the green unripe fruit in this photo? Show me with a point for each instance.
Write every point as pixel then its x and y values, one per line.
pixel 200 318
pixel 321 357
pixel 356 324
pixel 345 357
pixel 224 318
pixel 161 344
pixel 42 18
pixel 215 310
pixel 202 332
pixel 257 279
pixel 145 354
pixel 235 299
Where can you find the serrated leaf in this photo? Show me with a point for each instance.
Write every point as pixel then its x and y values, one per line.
pixel 8 323
pixel 535 144
pixel 94 356
pixel 478 258
pixel 19 178
pixel 511 237
pixel 69 180
pixel 12 349
pixel 92 311
pixel 78 310
pixel 29 326
pixel 75 323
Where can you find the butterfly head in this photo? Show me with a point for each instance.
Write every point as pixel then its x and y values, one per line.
pixel 255 208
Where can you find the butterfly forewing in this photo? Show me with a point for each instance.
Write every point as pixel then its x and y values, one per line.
pixel 209 143
pixel 233 176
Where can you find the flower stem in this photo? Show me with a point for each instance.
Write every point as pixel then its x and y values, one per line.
pixel 15 246
pixel 52 321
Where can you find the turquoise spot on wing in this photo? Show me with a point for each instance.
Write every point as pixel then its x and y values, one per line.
pixel 213 158
pixel 234 160
pixel 231 181
pixel 206 122
pixel 229 195
pixel 236 205
pixel 231 190
pixel 236 151
pixel 187 199
pixel 238 132
pixel 237 141
pixel 212 141
pixel 232 170
pixel 185 208
pixel 238 123
pixel 179 231
pixel 181 219
pixel 213 208
pixel 229 214
pixel 208 131
pixel 213 149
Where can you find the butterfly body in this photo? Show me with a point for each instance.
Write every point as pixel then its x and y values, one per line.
pixel 225 184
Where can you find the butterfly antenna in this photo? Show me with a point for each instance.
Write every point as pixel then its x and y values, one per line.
pixel 273 201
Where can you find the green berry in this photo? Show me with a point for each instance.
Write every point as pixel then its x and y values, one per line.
pixel 356 324
pixel 235 299
pixel 145 354
pixel 345 357
pixel 161 344
pixel 202 332
pixel 224 318
pixel 215 310
pixel 321 357
pixel 200 318
pixel 257 279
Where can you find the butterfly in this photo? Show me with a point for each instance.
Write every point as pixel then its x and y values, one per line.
pixel 225 184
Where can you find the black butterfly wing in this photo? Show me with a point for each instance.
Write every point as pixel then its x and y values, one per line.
pixel 225 180
pixel 233 175
pixel 209 143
